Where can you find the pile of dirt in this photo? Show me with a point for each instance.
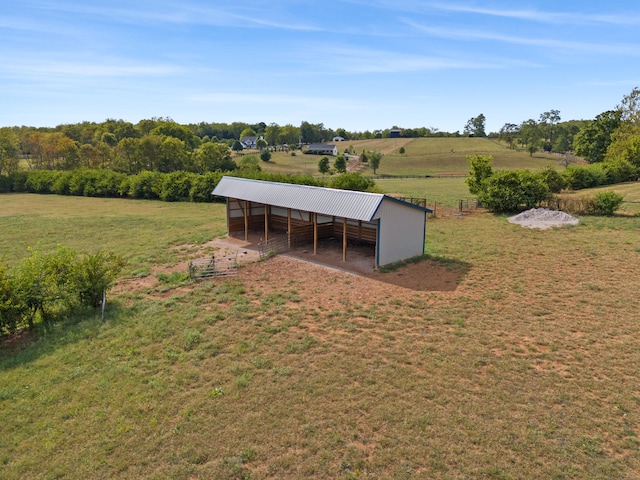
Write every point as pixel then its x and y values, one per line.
pixel 543 218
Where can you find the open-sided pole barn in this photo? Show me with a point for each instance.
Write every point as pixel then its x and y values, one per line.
pixel 308 214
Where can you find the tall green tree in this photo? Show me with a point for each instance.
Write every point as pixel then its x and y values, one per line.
pixel 9 151
pixel 213 157
pixel 476 126
pixel 340 164
pixel 593 140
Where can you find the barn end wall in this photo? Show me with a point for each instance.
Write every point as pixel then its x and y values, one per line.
pixel 401 232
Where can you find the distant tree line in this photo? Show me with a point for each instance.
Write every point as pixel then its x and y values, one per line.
pixel 157 144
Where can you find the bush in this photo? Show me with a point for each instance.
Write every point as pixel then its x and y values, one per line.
pixel 605 203
pixel 265 155
pixel 41 181
pixel 589 176
pixel 508 190
pixel 48 287
pixel 143 185
pixel 619 170
pixel 18 181
pixel 202 186
pixel 5 184
pixel 175 186
pixel 352 181
pixel 553 179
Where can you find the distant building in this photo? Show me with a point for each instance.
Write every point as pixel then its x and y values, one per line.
pixel 395 133
pixel 322 149
pixel 337 139
pixel 250 142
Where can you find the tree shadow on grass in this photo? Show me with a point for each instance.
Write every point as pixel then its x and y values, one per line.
pixel 27 346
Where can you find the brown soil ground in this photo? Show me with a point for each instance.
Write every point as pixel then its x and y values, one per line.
pixel 303 267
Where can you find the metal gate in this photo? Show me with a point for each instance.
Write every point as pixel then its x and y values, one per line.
pixel 275 246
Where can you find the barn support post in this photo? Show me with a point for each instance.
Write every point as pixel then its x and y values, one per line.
pixel 266 223
pixel 246 220
pixel 315 233
pixel 289 228
pixel 344 239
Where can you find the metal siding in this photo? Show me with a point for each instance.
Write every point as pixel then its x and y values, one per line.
pixel 401 232
pixel 325 201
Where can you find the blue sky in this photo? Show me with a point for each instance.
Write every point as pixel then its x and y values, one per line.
pixel 356 64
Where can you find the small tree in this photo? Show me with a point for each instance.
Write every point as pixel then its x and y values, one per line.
pixel 340 164
pixel 480 171
pixel 323 165
pixel 374 161
pixel 237 146
pixel 265 155
pixel 401 151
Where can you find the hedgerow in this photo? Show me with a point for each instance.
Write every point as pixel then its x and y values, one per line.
pixel 179 186
pixel 50 287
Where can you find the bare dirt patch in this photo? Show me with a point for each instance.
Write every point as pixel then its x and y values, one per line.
pixel 302 265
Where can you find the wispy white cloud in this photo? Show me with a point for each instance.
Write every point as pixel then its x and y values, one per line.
pixel 526 14
pixel 467 34
pixel 69 68
pixel 171 12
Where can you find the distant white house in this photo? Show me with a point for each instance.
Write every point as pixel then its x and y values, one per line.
pixel 249 143
pixel 322 149
pixel 337 139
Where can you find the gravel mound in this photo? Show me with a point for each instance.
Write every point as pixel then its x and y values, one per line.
pixel 543 218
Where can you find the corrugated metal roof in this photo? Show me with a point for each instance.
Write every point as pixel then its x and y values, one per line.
pixel 325 201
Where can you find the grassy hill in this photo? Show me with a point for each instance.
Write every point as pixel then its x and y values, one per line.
pixel 423 156
pixel 527 368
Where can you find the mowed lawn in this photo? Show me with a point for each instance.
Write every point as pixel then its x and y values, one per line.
pixel 527 369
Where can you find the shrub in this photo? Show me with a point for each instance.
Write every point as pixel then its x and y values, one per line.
pixel 41 181
pixel 202 186
pixel 18 181
pixel 480 171
pixel 93 275
pixel 47 287
pixel 506 191
pixel 605 203
pixel 352 181
pixel 619 170
pixel 5 184
pixel 265 155
pixel 589 176
pixel 553 179
pixel 144 185
pixel 175 186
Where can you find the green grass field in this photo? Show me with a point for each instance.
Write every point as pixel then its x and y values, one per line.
pixel 528 369
pixel 423 156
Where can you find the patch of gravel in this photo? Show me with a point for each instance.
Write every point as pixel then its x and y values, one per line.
pixel 543 218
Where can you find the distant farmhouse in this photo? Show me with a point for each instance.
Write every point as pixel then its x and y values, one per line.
pixel 322 149
pixel 249 143
pixel 337 139
pixel 395 133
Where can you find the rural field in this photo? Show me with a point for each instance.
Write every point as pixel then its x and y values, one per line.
pixel 423 156
pixel 518 358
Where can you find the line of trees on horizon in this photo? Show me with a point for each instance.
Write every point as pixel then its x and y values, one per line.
pixel 161 144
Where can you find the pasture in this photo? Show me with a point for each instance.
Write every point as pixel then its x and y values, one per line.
pixel 526 368
pixel 423 156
